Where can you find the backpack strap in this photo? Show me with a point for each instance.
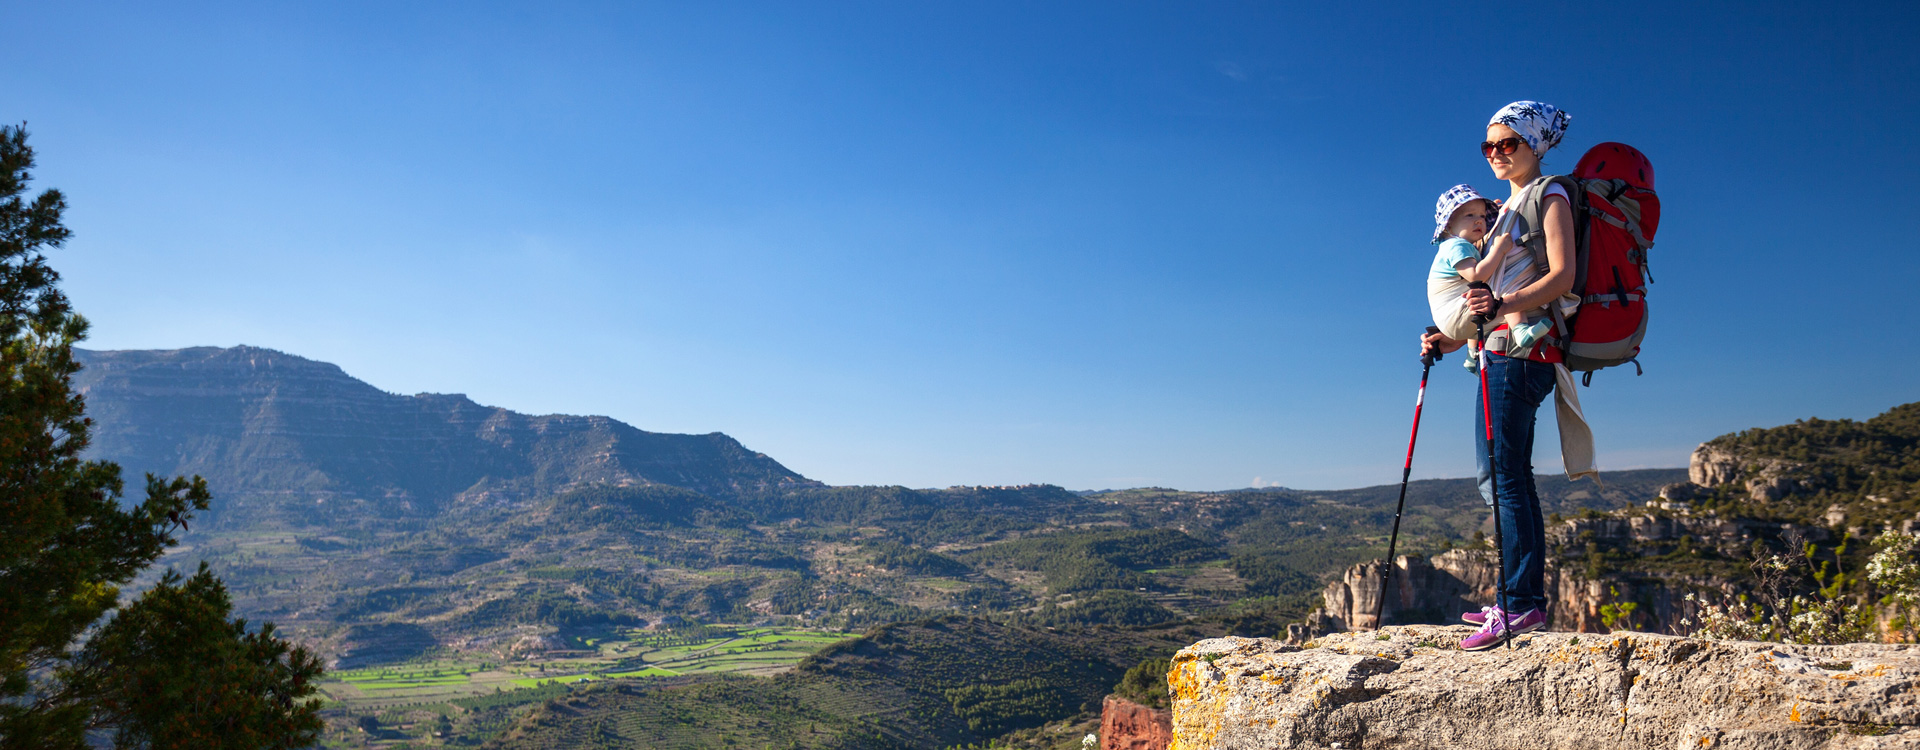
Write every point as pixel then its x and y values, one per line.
pixel 1528 217
pixel 1530 211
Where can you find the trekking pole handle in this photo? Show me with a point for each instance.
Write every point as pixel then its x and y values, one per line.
pixel 1433 355
pixel 1477 317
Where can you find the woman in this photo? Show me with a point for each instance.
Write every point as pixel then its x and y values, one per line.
pixel 1518 382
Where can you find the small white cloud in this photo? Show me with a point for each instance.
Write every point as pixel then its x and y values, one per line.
pixel 1230 69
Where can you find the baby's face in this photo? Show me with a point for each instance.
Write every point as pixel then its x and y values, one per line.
pixel 1469 222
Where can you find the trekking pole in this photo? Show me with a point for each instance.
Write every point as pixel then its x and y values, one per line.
pixel 1386 575
pixel 1493 477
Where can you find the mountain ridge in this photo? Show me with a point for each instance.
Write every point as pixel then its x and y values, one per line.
pixel 286 435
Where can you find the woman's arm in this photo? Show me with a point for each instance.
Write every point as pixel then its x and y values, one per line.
pixel 1432 342
pixel 1559 277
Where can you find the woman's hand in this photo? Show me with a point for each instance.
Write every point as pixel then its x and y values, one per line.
pixel 1434 342
pixel 1482 302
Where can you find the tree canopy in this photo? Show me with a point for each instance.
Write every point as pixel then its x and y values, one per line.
pixel 170 669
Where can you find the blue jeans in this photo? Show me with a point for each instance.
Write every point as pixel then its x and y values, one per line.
pixel 1516 388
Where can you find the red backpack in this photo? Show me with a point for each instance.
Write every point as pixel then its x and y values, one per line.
pixel 1615 213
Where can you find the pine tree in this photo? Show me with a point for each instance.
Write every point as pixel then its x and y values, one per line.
pixel 168 670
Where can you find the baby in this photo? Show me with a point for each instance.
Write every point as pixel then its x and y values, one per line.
pixel 1461 219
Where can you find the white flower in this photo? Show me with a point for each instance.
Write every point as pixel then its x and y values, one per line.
pixel 1089 741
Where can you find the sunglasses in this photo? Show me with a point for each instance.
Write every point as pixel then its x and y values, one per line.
pixel 1506 147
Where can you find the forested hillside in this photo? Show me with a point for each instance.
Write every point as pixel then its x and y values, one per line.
pixel 933 683
pixel 1868 471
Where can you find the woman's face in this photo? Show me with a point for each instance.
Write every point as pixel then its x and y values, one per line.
pixel 1508 166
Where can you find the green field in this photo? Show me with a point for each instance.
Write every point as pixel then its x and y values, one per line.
pixel 412 695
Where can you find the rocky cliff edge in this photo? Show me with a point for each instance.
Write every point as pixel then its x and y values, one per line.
pixel 1408 687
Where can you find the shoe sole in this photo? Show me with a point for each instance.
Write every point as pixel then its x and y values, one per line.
pixel 1483 621
pixel 1490 644
pixel 1498 641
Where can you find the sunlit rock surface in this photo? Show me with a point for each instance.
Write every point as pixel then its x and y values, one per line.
pixel 1409 687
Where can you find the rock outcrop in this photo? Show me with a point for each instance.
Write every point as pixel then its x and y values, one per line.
pixel 1126 725
pixel 1765 479
pixel 1435 590
pixel 1409 687
pixel 1712 466
pixel 1438 589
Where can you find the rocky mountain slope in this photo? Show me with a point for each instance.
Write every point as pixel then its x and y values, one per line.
pixel 300 441
pixel 1828 472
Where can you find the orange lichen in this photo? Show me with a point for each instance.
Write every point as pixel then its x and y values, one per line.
pixel 1198 701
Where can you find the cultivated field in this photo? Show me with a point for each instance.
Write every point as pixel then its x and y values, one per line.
pixel 398 704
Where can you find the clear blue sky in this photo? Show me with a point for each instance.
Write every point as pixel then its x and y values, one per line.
pixel 1094 244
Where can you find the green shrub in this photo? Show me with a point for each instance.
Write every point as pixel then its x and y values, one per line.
pixel 1146 683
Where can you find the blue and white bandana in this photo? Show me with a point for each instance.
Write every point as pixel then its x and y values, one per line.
pixel 1451 201
pixel 1540 125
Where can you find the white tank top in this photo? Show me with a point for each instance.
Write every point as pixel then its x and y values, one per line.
pixel 1517 270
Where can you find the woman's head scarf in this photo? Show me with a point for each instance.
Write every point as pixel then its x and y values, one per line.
pixel 1540 125
pixel 1451 201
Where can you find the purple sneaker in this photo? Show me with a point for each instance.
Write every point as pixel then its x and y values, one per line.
pixel 1491 633
pixel 1521 625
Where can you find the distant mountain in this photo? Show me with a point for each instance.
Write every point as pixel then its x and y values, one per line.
pixel 270 430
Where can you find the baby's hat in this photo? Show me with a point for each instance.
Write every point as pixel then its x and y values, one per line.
pixel 1451 201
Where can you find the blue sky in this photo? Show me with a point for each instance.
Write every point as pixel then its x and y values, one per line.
pixel 1092 244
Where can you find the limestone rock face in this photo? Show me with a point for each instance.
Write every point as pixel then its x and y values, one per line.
pixel 1409 687
pixel 1711 466
pixel 1438 589
pixel 1765 479
pixel 536 644
pixel 1126 725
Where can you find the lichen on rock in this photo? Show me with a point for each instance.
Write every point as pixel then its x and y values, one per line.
pixel 1411 687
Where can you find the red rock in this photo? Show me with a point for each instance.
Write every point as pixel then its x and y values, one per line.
pixel 1125 725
